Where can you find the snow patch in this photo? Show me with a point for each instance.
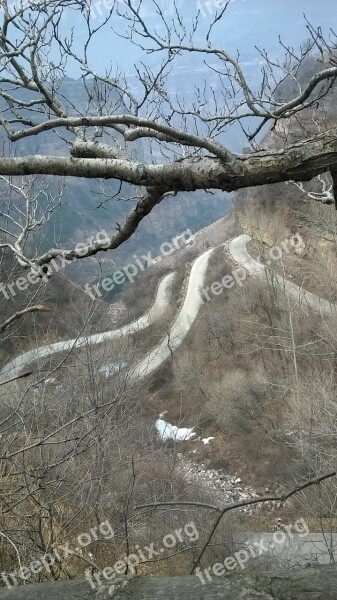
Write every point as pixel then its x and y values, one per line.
pixel 167 431
pixel 207 440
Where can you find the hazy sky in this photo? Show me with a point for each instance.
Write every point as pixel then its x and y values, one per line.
pixel 247 23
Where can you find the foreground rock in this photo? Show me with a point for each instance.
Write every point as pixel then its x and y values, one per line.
pixel 314 583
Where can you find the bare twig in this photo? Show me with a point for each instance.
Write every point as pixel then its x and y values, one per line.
pixel 222 511
pixel 22 313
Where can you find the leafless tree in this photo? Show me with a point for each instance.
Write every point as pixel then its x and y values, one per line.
pixel 324 195
pixel 98 140
pixel 60 461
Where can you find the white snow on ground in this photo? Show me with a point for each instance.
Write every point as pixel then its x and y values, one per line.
pixel 167 431
pixel 171 432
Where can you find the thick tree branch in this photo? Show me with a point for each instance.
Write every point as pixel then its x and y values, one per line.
pixel 300 162
pixel 124 232
pixel 167 133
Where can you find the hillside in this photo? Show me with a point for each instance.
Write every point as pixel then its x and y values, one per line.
pixel 219 381
pixel 169 402
pixel 214 359
pixel 70 309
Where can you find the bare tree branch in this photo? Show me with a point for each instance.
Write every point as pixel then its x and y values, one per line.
pixel 21 376
pixel 21 313
pixel 223 510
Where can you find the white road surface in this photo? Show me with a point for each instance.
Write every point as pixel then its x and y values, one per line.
pixel 182 323
pixel 161 304
pixel 238 251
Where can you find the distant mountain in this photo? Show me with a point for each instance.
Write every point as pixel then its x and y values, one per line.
pixel 85 209
pixel 246 24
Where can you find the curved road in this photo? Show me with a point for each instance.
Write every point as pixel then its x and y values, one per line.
pixel 238 251
pixel 161 303
pixel 183 321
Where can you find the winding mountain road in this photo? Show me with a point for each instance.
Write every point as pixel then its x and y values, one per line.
pixel 183 321
pixel 160 305
pixel 239 253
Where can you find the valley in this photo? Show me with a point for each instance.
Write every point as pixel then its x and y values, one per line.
pixel 168 256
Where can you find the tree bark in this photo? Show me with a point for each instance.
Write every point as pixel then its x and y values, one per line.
pixel 300 162
pixel 314 583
